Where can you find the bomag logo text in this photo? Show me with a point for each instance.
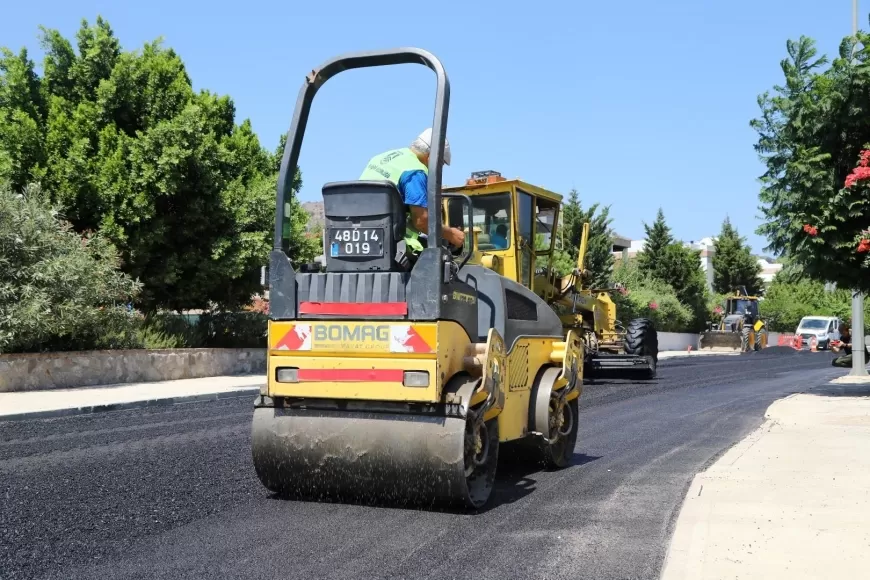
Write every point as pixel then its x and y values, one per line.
pixel 344 333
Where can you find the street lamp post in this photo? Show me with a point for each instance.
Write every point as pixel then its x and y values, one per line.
pixel 858 363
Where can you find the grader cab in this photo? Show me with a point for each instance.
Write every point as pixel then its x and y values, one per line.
pixel 515 227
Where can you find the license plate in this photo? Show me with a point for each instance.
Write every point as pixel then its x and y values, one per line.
pixel 356 242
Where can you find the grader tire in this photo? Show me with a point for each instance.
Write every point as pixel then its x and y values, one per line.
pixel 641 339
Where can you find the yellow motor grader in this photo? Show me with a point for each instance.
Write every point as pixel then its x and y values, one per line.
pixel 401 378
pixel 515 228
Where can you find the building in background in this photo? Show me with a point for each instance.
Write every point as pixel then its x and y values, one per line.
pixel 631 248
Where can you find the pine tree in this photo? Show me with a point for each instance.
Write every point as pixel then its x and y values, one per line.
pixel 733 264
pixel 599 252
pixel 658 238
pixel 670 262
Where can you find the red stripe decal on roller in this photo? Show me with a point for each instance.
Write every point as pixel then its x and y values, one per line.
pixel 355 308
pixel 352 375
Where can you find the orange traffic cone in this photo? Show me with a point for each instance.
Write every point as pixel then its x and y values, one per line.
pixel 814 343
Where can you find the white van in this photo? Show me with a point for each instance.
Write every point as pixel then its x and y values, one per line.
pixel 824 328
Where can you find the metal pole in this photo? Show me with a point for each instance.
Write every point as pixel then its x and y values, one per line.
pixel 858 363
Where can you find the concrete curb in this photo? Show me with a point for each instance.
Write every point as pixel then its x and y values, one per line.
pixel 851 380
pixel 153 402
pixel 668 354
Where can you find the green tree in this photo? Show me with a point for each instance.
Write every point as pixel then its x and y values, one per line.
pixel 599 251
pixel 128 148
pixel 658 237
pixel 304 243
pixel 670 262
pixel 647 297
pixel 680 267
pixel 811 135
pixel 733 264
pixel 786 302
pixel 59 290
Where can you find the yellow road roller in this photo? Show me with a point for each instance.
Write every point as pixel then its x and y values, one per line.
pixel 400 376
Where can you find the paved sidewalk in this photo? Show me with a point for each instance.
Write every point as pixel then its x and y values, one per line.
pixel 792 500
pixel 58 402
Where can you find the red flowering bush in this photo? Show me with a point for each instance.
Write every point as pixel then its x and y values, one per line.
pixel 260 305
pixel 834 243
pixel 859 180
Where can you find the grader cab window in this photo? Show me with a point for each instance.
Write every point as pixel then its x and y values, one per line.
pixel 525 227
pixel 544 229
pixel 492 215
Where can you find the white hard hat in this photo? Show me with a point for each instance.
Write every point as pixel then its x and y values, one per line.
pixel 424 142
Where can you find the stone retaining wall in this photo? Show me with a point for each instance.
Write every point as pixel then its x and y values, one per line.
pixel 42 371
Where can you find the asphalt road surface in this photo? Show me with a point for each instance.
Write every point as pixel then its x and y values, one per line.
pixel 171 493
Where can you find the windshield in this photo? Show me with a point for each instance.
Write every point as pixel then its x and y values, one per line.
pixel 492 215
pixel 739 306
pixel 814 324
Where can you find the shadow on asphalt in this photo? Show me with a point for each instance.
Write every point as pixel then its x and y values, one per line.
pixel 844 390
pixel 619 381
pixel 515 478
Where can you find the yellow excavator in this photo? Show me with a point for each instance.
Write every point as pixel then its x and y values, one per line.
pixel 400 376
pixel 740 329
pixel 515 225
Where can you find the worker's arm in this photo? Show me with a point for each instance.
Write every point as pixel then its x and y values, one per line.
pixel 420 217
pixel 413 187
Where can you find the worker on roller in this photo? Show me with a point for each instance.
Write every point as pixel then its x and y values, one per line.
pixel 408 169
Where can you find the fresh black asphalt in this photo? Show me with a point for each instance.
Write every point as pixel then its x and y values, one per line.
pixel 169 492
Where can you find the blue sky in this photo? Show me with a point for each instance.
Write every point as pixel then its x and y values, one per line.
pixel 636 104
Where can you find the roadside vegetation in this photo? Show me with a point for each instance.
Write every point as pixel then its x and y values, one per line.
pixel 128 199
pixel 171 197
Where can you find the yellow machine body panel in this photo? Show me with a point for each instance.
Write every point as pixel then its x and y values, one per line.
pixel 363 359
pixel 523 362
